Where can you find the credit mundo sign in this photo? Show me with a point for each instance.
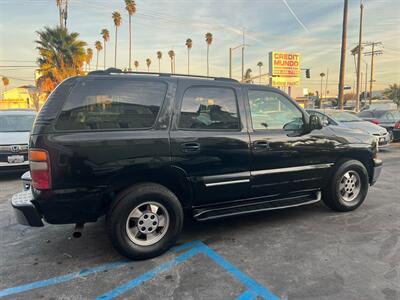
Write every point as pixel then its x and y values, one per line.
pixel 284 64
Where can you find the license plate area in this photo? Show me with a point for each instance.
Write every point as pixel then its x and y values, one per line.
pixel 15 159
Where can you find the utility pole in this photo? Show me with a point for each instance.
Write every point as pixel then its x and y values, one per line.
pixel 372 53
pixel 366 82
pixel 243 57
pixel 359 60
pixel 343 55
pixel 242 46
pixel 230 62
pixel 326 82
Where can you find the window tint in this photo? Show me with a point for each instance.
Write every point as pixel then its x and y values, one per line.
pixel 211 108
pixel 112 104
pixel 270 110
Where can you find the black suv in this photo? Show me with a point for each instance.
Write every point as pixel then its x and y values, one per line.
pixel 146 149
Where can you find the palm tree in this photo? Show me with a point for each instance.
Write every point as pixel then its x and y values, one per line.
pixel 148 63
pixel 130 6
pixel 259 65
pixel 117 22
pixel 393 93
pixel 98 47
pixel 89 57
pixel 171 55
pixel 189 44
pixel 60 12
pixel 209 39
pixel 159 56
pixel 247 76
pixel 6 82
pixel 322 76
pixel 136 63
pixel 61 55
pixel 106 37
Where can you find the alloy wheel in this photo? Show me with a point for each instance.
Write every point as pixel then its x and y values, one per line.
pixel 147 223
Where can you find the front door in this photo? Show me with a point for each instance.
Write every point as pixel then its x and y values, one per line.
pixel 285 159
pixel 210 142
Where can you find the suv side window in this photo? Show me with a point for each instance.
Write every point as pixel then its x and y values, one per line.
pixel 101 104
pixel 270 110
pixel 209 108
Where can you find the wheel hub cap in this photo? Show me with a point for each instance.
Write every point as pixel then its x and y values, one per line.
pixel 147 223
pixel 350 186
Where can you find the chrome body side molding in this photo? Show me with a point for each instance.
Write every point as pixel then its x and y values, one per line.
pixel 291 169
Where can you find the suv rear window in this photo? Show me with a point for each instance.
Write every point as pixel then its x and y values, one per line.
pixel 96 104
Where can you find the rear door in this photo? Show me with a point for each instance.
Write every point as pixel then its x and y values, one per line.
pixel 210 142
pixel 284 159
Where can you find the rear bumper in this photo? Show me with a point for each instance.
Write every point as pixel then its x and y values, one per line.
pixel 378 165
pixel 25 211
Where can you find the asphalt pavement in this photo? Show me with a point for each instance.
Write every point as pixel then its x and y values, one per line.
pixel 300 253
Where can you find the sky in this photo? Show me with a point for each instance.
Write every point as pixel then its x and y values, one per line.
pixel 309 27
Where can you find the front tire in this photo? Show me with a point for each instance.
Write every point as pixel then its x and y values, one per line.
pixel 348 187
pixel 144 221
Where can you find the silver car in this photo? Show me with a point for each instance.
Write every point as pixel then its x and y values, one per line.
pixel 15 126
pixel 351 121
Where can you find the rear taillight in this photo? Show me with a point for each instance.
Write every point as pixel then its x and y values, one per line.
pixel 375 121
pixel 39 162
pixel 397 125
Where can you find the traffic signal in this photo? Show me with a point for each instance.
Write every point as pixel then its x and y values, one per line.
pixel 308 73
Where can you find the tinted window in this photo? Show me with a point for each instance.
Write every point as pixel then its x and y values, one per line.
pixel 210 108
pixel 112 104
pixel 270 110
pixel 16 122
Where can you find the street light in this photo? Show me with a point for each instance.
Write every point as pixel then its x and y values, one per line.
pixel 322 76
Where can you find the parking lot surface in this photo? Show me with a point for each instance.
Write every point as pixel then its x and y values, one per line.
pixel 300 253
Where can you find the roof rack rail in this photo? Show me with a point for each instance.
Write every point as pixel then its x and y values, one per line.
pixel 110 71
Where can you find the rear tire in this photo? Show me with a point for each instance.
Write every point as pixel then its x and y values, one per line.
pixel 144 221
pixel 348 186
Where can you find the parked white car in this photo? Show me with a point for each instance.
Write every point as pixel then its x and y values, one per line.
pixel 15 126
pixel 351 121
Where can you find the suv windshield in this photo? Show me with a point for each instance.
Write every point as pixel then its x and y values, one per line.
pixel 342 116
pixel 10 123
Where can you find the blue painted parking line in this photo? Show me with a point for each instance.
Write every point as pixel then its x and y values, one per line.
pixel 63 278
pixel 247 295
pixel 149 275
pixel 198 247
pixel 191 249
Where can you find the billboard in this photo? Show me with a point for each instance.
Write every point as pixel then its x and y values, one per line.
pixel 284 68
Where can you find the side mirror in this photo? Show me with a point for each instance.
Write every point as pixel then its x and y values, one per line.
pixel 314 122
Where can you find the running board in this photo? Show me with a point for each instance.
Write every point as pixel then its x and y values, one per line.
pixel 204 214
